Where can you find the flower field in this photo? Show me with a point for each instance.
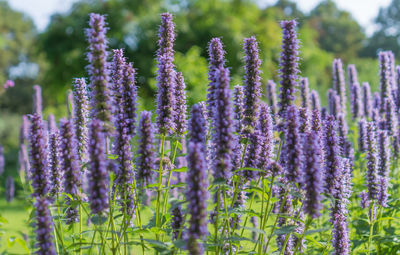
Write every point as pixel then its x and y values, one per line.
pixel 240 173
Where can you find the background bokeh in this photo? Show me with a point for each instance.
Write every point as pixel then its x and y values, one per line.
pixel 56 54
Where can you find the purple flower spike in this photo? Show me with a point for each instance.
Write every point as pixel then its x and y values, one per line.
pixel 362 133
pixel 98 175
pixel 146 158
pixel 81 116
pixel 197 195
pixel 315 103
pixel 44 228
pixel 271 96
pixel 176 221
pixel 216 61
pixel 24 129
pixel 238 99
pixel 129 97
pixel 98 68
pixel 38 157
pixel 391 118
pixel 339 84
pixel 197 125
pixel 383 166
pixel 289 66
pixel 397 89
pixel 356 101
pixel 253 153
pixel 291 150
pixel 37 100
pixel 266 128
pixel 23 160
pixel 54 163
pixel 305 93
pixel 367 100
pixel 312 170
pixel 372 162
pixel 124 171
pixel 252 81
pixel 70 165
pixel 352 74
pixel 181 108
pixel 385 78
pixel 332 159
pixel 51 123
pixel 334 103
pixel 223 127
pixel 117 77
pixel 166 103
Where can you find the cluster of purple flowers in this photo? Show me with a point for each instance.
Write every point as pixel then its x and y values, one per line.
pixel 234 139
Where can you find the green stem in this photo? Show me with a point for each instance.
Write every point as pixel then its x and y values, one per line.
pixel 160 172
pixel 308 223
pixel 371 226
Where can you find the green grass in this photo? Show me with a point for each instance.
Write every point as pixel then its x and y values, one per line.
pixel 16 215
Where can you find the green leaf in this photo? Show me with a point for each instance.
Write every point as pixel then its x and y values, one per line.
pixel 98 220
pixel 181 169
pixel 285 230
pixel 310 232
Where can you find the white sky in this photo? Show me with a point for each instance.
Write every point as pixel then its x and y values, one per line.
pixel 364 11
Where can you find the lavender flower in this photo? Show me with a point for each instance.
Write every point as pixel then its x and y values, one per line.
pixel 305 93
pixel 377 101
pixel 180 111
pixel 352 74
pixel 23 160
pixel 24 129
pixel 166 103
pixel 98 175
pixel 70 165
pixel 304 120
pixel 37 100
pixel 129 96
pixel 391 118
pixel 291 150
pixel 216 61
pixel 266 128
pixel 252 81
pixel 124 171
pixel 362 132
pixel 340 239
pixel 44 228
pixel 356 101
pixel 334 103
pixel 197 125
pixel 51 123
pixel 70 105
pixel 312 170
pixel 397 89
pixel 364 199
pixel 197 196
pixel 81 116
pixel 383 166
pixel 385 78
pixel 372 162
pixel 339 82
pixel 238 99
pixel 10 189
pixel 289 66
pixel 315 103
pixel 223 127
pixel 366 95
pixel 38 156
pixel 117 77
pixel 54 162
pixel 176 222
pixel 253 154
pixel 316 121
pixel 271 96
pixel 332 160
pixel 98 68
pixel 146 158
